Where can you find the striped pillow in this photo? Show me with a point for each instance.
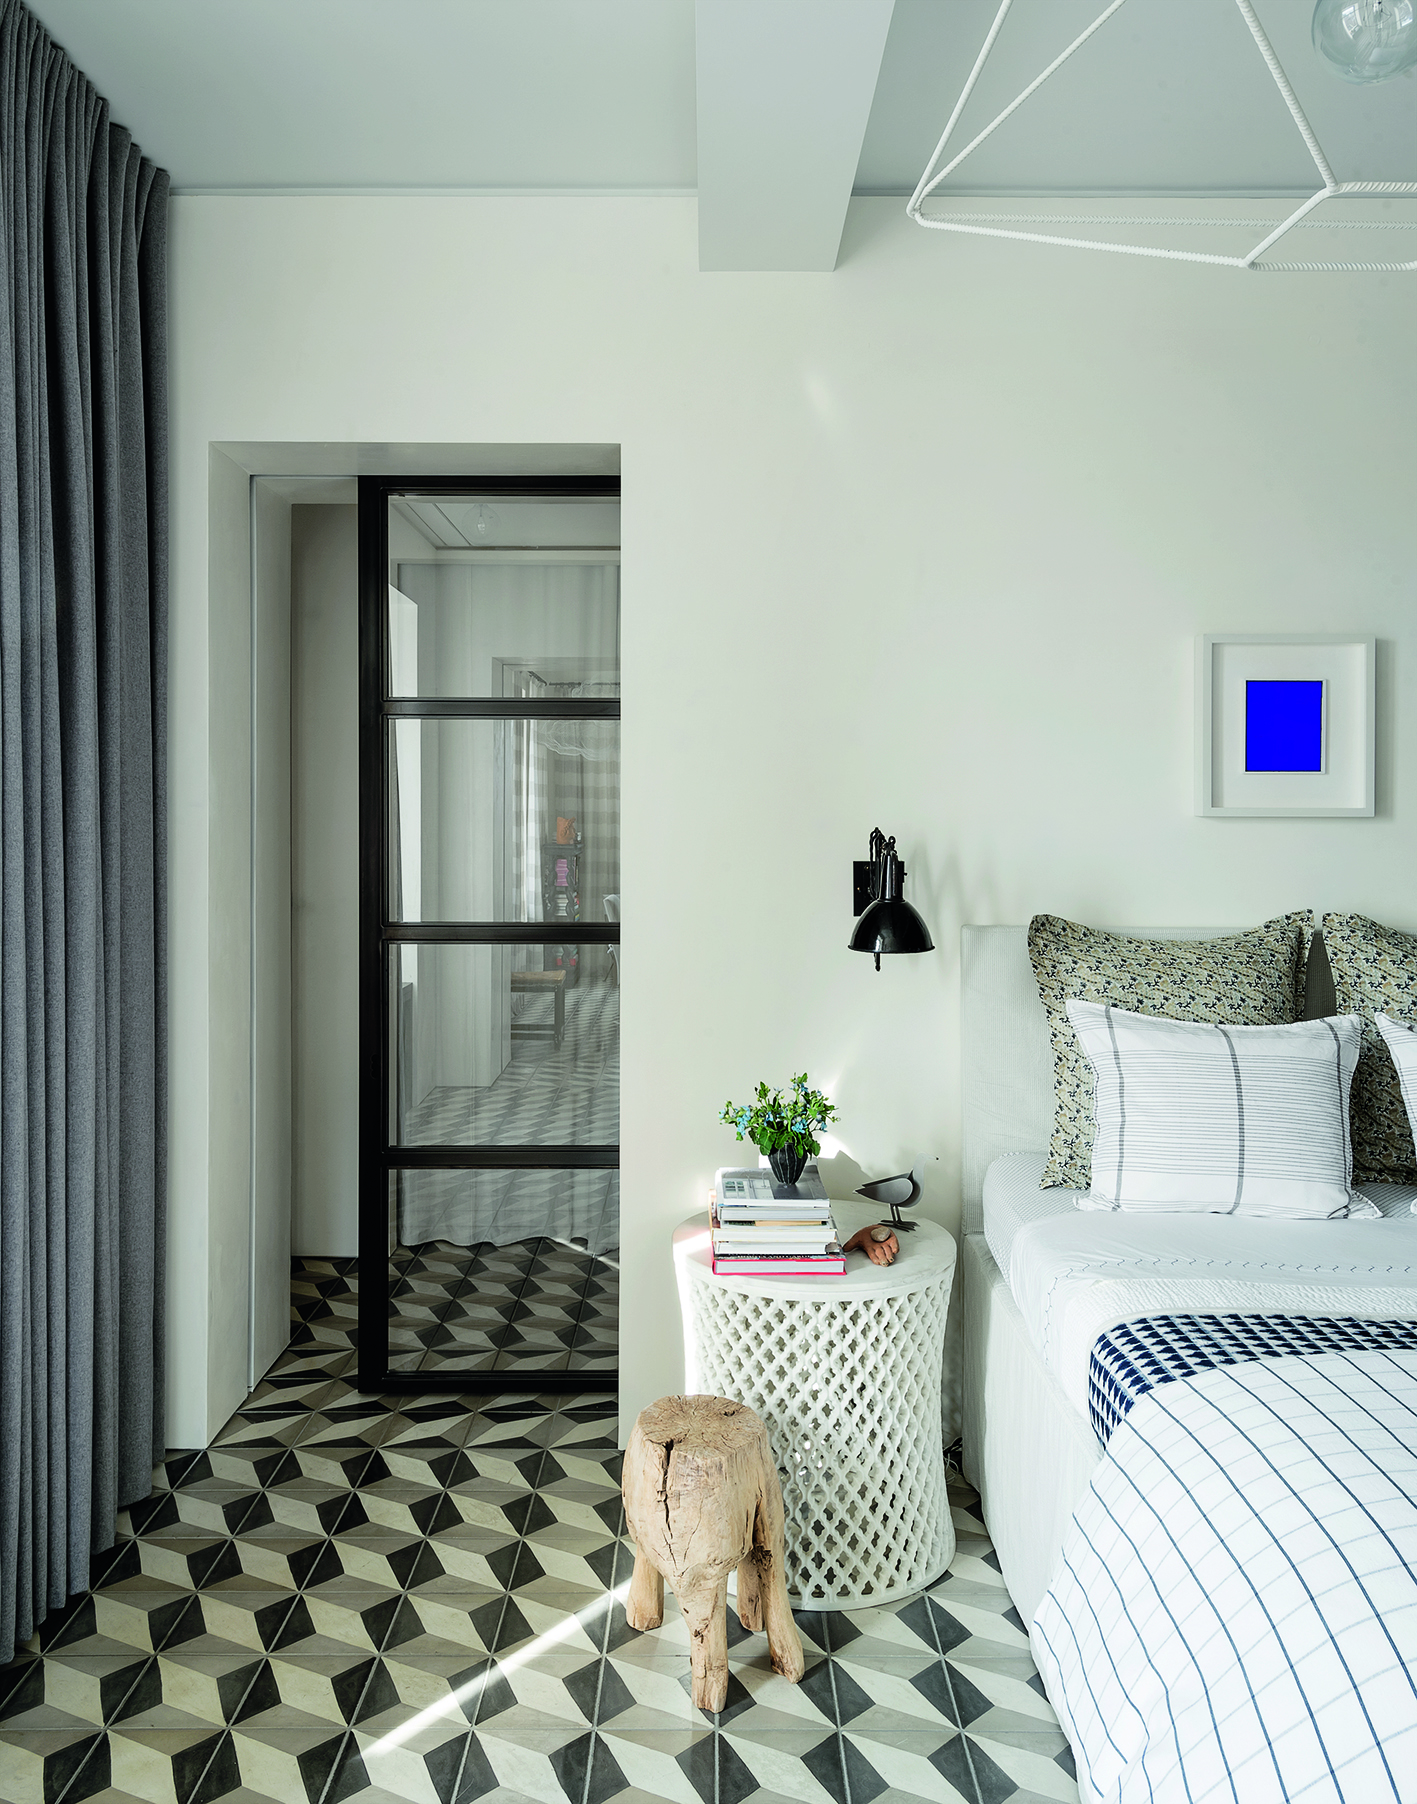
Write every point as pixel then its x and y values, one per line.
pixel 1194 1118
pixel 1255 977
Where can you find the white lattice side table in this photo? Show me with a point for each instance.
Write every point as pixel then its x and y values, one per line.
pixel 846 1373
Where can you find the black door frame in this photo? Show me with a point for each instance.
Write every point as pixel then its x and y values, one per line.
pixel 378 1157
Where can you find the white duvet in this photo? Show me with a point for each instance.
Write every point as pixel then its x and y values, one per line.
pixel 1234 1618
pixel 1074 1273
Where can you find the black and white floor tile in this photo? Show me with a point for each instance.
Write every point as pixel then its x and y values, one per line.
pixel 419 1600
pixel 535 1305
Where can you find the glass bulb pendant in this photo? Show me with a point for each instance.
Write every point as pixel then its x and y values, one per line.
pixel 1366 40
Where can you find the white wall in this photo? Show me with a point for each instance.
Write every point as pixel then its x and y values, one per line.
pixel 225 759
pixel 922 544
pixel 325 879
pixel 271 1119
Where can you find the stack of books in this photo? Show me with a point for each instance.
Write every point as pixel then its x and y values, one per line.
pixel 767 1229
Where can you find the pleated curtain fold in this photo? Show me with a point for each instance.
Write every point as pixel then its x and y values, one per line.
pixel 83 706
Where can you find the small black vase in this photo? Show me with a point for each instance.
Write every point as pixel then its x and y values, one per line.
pixel 787 1164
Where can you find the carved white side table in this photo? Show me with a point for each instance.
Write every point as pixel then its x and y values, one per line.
pixel 846 1374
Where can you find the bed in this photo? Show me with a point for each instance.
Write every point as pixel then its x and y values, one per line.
pixel 1034 1399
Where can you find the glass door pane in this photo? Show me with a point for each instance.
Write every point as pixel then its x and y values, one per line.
pixel 503 820
pixel 504 1046
pixel 504 1271
pixel 494 597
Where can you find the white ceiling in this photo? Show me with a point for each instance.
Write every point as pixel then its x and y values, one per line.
pixel 367 95
pixel 782 109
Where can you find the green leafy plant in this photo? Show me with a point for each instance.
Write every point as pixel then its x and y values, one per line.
pixel 775 1119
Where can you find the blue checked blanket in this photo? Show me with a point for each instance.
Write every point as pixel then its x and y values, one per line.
pixel 1233 1618
pixel 1130 1359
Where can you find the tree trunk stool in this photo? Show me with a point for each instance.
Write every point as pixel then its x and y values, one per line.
pixel 701 1498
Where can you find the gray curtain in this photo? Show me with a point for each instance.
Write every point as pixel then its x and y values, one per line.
pixel 83 658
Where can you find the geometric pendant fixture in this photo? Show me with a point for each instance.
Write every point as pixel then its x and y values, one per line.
pixel 1008 225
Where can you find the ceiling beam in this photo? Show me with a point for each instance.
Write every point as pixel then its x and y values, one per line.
pixel 784 94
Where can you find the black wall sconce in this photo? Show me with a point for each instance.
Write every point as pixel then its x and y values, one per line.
pixel 888 923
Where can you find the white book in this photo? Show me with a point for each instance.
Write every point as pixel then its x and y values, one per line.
pixel 736 1184
pixel 814 1238
pixel 774 1212
pixel 740 1249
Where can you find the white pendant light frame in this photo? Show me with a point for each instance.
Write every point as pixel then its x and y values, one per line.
pixel 1332 189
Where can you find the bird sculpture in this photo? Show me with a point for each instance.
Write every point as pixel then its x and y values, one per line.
pixel 896 1193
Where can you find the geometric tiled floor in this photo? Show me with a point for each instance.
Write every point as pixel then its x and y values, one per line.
pixel 420 1599
pixel 536 1305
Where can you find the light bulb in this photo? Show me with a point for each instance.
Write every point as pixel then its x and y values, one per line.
pixel 1366 40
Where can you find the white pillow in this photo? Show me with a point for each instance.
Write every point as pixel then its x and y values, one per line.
pixel 1401 1037
pixel 1198 1119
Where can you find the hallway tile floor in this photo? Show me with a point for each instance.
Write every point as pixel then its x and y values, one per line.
pixel 536 1305
pixel 418 1599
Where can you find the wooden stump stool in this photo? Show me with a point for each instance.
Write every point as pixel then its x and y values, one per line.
pixel 701 1498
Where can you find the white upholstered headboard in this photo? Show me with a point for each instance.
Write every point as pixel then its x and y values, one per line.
pixel 1007 1060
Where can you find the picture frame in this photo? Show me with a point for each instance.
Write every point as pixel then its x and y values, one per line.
pixel 1285 724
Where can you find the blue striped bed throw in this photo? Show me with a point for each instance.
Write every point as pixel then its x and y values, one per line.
pixel 1130 1359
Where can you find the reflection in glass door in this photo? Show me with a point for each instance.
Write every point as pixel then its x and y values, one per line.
pixel 490 911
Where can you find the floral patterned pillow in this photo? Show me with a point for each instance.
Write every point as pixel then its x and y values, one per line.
pixel 1375 971
pixel 1253 979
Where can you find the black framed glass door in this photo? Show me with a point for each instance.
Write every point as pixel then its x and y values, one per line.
pixel 490 931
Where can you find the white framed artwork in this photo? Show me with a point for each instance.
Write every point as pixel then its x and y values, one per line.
pixel 1284 724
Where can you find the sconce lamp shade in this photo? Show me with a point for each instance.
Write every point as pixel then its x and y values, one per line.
pixel 888 923
pixel 891 927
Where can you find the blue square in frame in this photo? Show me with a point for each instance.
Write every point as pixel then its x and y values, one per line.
pixel 1284 725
